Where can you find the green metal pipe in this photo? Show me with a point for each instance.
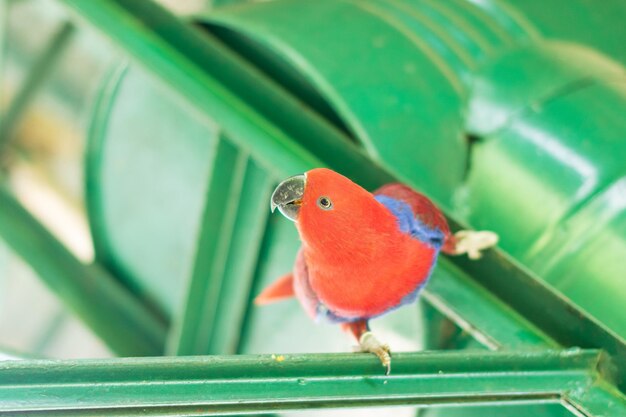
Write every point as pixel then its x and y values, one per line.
pixel 188 336
pixel 212 317
pixel 241 384
pixel 126 325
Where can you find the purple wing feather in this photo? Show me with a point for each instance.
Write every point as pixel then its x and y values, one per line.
pixel 423 209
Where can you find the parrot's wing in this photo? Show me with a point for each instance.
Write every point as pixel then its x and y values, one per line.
pixel 302 286
pixel 292 284
pixel 282 288
pixel 423 209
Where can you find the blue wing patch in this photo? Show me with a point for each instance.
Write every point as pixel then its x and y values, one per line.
pixel 410 224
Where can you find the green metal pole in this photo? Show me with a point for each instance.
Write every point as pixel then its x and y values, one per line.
pixel 126 325
pixel 221 279
pixel 190 331
pixel 269 383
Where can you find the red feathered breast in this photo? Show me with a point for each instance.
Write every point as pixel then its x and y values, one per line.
pixel 367 286
pixel 359 262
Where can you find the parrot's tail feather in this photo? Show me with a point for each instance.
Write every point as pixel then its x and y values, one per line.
pixel 279 290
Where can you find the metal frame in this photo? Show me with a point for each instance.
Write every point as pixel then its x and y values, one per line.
pixel 107 307
pixel 285 138
pixel 243 384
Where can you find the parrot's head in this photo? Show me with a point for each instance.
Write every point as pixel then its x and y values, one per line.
pixel 328 207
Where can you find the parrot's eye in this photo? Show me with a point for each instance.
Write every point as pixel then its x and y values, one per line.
pixel 324 203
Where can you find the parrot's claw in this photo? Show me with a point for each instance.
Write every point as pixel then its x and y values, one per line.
pixel 370 344
pixel 473 242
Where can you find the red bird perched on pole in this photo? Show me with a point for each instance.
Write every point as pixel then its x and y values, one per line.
pixel 362 254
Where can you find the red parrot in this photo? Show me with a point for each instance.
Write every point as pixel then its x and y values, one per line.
pixel 362 254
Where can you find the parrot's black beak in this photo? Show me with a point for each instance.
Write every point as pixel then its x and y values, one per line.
pixel 287 197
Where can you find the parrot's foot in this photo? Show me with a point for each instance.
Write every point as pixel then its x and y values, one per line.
pixel 472 242
pixel 370 344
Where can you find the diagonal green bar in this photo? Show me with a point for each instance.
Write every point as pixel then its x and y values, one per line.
pixel 127 326
pixel 545 307
pixel 457 296
pixel 191 331
pixel 242 260
pixel 219 286
pixel 600 399
pixel 286 137
pixel 227 384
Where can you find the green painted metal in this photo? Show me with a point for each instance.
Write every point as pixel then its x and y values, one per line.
pixel 525 77
pixel 409 73
pixel 214 309
pixel 388 99
pixel 263 327
pixel 508 410
pixel 126 325
pixel 581 22
pixel 284 106
pixel 557 172
pixel 548 310
pixel 162 47
pixel 170 173
pixel 274 29
pixel 235 293
pixel 563 323
pixel 239 384
pixel 509 76
pixel 218 218
pixel 599 227
pixel 456 295
pixel 115 137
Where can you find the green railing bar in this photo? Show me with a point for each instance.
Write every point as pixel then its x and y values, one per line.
pixel 545 307
pixel 219 286
pixel 239 384
pixel 107 307
pixel 243 258
pixel 33 81
pixel 213 79
pixel 599 399
pixel 191 331
pixel 456 295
